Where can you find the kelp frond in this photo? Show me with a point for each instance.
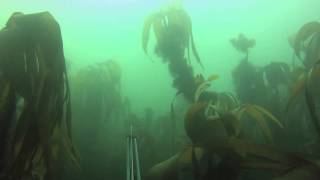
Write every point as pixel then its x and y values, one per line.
pixel 302 87
pixel 33 63
pixel 203 85
pixel 310 98
pixel 242 43
pixel 304 33
pixel 230 112
pixel 165 22
pixel 259 114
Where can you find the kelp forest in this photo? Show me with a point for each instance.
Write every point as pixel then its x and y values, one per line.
pixel 61 120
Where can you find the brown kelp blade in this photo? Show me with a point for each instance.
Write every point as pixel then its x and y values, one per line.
pixel 310 102
pixel 268 114
pixel 297 88
pixel 46 98
pixel 300 85
pixel 155 21
pixel 71 151
pixel 146 33
pixel 304 33
pixel 188 25
pixel 259 118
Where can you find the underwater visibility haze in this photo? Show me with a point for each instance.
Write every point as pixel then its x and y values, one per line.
pixel 159 90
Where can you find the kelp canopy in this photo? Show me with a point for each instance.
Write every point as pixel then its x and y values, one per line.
pixel 100 118
pixel 99 86
pixel 307 42
pixel 35 97
pixel 243 44
pixel 173 31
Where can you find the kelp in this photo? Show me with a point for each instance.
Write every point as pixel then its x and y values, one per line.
pixel 244 155
pixel 173 31
pixel 205 128
pixel 228 109
pixel 231 120
pixel 243 44
pixel 307 40
pixel 303 86
pixel 203 85
pixel 249 83
pixel 215 124
pixel 172 19
pixel 305 32
pixel 276 74
pixel 33 64
pixel 235 156
pixel 258 114
pixel 98 85
pixel 310 99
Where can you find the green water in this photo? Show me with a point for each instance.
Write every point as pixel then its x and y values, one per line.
pixel 98 30
pixel 111 29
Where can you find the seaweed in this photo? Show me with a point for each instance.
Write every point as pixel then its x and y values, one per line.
pixel 229 111
pixel 98 85
pixel 307 37
pixel 231 152
pixel 307 40
pixel 173 31
pixel 33 72
pixel 243 44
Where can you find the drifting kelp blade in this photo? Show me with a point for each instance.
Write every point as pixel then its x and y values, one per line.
pixel 297 88
pixel 305 32
pixel 300 85
pixel 268 114
pixel 258 117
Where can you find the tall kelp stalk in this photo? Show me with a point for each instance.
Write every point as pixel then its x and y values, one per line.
pixel 248 81
pixel 266 86
pixel 173 31
pixel 35 97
